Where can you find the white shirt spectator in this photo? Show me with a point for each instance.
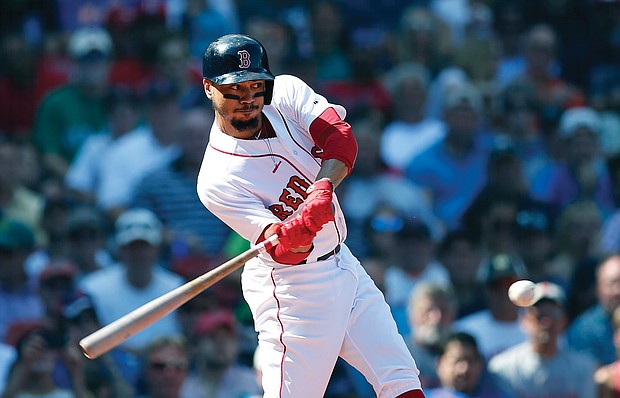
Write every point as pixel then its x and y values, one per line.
pixel 401 142
pixel 492 336
pixel 124 165
pixel 114 297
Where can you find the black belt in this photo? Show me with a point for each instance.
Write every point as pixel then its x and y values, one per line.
pixel 324 256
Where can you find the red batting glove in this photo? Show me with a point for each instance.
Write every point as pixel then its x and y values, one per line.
pixel 294 233
pixel 317 210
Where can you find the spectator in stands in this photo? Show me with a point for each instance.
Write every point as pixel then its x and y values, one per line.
pixel 592 331
pixel 76 110
pixel 279 40
pixel 535 232
pixel 462 371
pixel 606 377
pixel 124 116
pixel 32 372
pixel 453 169
pixel 87 239
pixel 19 297
pixel 540 366
pixel 583 174
pixel 575 259
pixel 498 326
pixel 329 41
pixel 137 278
pixel 459 252
pixel 170 193
pixel 410 131
pixel 422 38
pixel 16 200
pixel 204 22
pixel 518 123
pixel 412 262
pixel 175 64
pixel 431 310
pixel 478 52
pixel 552 94
pixel 166 367
pixel 610 233
pixel 141 151
pixel 18 99
pixel 115 373
pixel 7 357
pixel 215 367
pixel 55 244
pixel 491 215
pixel 57 288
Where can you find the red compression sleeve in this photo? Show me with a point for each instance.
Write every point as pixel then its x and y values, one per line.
pixel 335 137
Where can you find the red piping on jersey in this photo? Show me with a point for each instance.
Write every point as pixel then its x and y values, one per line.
pixel 275 155
pixel 281 334
pixel 288 130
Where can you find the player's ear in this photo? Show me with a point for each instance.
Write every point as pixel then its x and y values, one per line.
pixel 206 84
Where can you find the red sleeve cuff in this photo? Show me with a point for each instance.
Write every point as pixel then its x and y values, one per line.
pixel 282 256
pixel 279 255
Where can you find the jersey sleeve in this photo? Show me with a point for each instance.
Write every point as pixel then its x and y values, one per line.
pixel 299 102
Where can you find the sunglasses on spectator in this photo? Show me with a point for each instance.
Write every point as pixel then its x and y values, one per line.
pixel 162 365
pixel 551 314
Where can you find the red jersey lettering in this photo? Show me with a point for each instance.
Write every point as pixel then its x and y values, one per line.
pixel 291 198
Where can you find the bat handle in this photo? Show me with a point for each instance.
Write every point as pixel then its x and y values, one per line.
pixel 268 243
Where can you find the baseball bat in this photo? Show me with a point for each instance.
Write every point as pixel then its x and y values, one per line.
pixel 113 334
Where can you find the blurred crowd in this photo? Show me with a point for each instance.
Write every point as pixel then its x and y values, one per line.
pixel 489 151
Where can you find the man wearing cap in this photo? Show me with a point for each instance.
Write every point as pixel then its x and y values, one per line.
pixel 496 327
pixel 76 110
pixel 413 262
pixel 87 234
pixel 584 173
pixel 19 297
pixel 215 356
pixel 540 366
pixel 136 279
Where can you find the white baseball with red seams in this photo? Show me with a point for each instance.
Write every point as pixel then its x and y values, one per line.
pixel 250 184
pixel 522 293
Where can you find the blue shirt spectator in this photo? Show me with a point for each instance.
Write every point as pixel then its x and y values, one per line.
pixel 592 331
pixel 454 169
pixel 583 174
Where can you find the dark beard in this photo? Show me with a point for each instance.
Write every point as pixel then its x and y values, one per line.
pixel 245 125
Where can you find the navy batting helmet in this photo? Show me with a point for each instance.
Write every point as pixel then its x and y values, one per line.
pixel 237 58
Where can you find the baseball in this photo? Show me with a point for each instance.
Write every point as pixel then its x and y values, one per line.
pixel 521 293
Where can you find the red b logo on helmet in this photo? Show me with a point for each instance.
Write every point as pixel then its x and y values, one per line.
pixel 244 59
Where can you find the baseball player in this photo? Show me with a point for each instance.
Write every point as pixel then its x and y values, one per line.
pixel 276 151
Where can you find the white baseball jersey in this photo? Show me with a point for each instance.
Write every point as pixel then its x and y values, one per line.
pixel 306 315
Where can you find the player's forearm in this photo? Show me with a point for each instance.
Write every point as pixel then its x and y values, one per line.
pixel 333 169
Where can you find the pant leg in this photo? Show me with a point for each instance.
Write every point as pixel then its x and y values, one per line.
pixel 301 314
pixel 372 343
